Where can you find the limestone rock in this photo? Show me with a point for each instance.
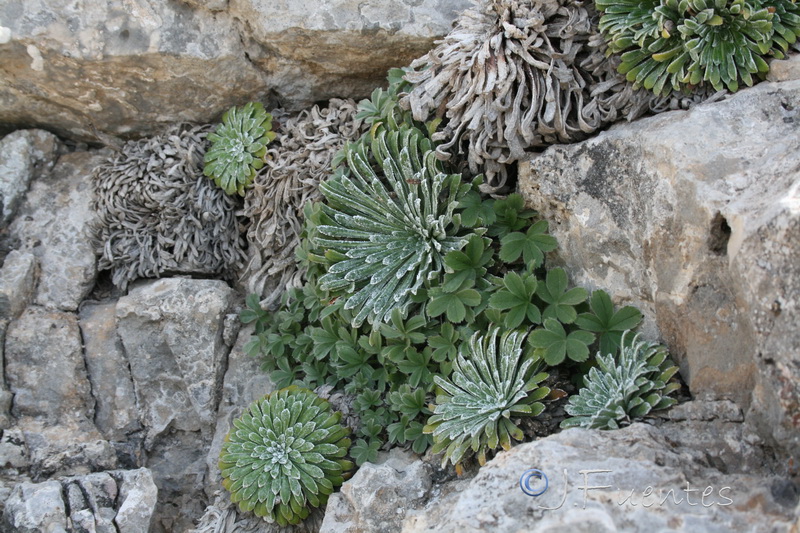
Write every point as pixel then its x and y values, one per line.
pixel 171 331
pixel 6 396
pixel 116 415
pixel 23 154
pixel 13 450
pixel 108 69
pixel 95 69
pixel 172 335
pixel 36 507
pixel 640 478
pixel 314 50
pixel 379 495
pixel 137 497
pixel 52 224
pixel 784 69
pixel 69 448
pixel 45 368
pixel 117 501
pixel 17 283
pixel 91 502
pixel 244 383
pixel 694 217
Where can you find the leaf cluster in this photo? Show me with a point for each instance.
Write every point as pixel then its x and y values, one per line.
pixel 489 384
pixel 239 145
pixel 407 268
pixel 624 387
pixel 678 44
pixel 285 455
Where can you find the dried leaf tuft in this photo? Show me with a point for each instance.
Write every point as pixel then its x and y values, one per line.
pixel 300 157
pixel 515 75
pixel 158 214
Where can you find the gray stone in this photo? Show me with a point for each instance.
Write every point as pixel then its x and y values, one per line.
pixel 784 69
pixel 315 50
pixel 693 217
pixel 724 410
pixel 13 450
pixel 36 508
pixel 45 368
pixel 70 448
pixel 117 501
pixel 100 68
pixel 244 383
pixel 178 463
pixel 17 284
pixel 6 397
pixel 171 331
pixel 640 478
pixel 116 415
pixel 23 154
pixel 137 501
pixel 378 496
pixel 91 501
pixel 53 225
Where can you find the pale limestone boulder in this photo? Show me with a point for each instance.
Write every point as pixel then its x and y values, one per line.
pixel 112 68
pixel 243 384
pixel 115 501
pixel 638 479
pixel 313 50
pixel 45 369
pixel 116 414
pixel 171 331
pixel 379 495
pixel 119 67
pixel 53 224
pixel 17 283
pixel 694 217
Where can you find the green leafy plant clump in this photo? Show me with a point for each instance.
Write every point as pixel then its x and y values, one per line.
pixel 489 384
pixel 384 237
pixel 623 387
pixel 408 266
pixel 678 44
pixel 239 146
pixel 284 455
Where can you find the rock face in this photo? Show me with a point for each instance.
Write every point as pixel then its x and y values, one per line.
pixel 695 218
pixel 92 69
pixel 118 500
pixel 120 67
pixel 17 283
pixel 172 332
pixel 52 224
pixel 700 473
pixel 314 50
pixel 244 383
pixel 378 495
pixel 116 413
pixel 45 367
pixel 23 153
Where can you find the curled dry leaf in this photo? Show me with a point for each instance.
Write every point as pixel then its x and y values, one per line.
pixel 158 214
pixel 296 162
pixel 515 75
